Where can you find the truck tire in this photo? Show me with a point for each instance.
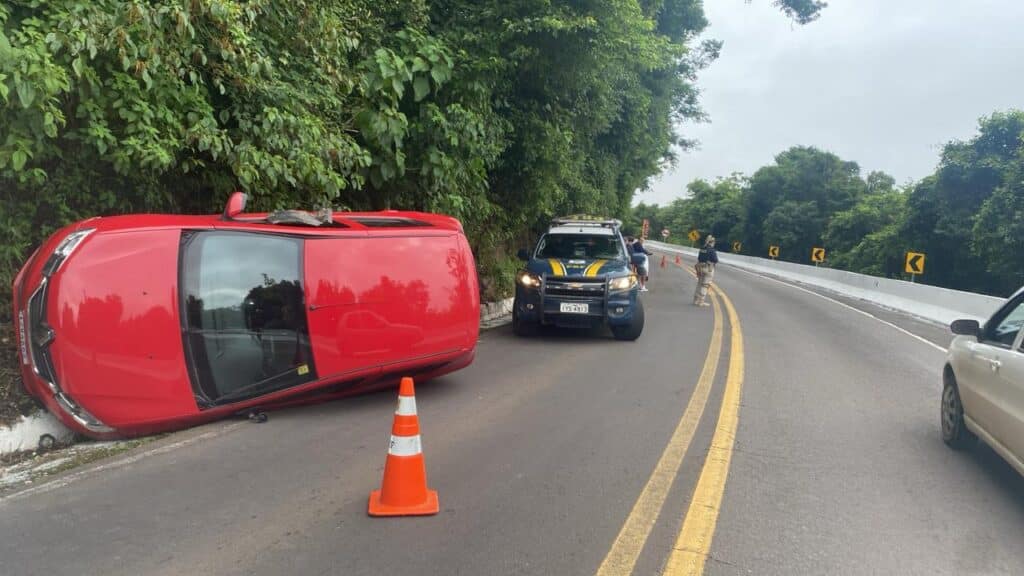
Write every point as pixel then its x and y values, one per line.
pixel 520 327
pixel 635 328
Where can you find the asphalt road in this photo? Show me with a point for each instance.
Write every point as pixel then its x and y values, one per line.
pixel 570 453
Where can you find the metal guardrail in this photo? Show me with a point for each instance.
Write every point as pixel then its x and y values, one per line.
pixel 939 305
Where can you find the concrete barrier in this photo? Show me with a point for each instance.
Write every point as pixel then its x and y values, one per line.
pixel 939 305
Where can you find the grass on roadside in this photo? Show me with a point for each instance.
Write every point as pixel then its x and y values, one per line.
pixel 26 468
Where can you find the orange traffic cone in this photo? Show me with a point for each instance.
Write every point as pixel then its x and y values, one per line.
pixel 679 260
pixel 404 490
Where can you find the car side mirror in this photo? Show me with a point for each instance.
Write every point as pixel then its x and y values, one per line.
pixel 637 259
pixel 235 206
pixel 965 327
pixel 523 254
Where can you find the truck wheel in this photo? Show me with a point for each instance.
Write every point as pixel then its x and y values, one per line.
pixel 520 327
pixel 633 331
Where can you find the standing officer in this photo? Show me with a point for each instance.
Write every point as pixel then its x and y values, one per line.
pixel 706 261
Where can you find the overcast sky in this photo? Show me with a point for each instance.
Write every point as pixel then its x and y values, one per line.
pixel 881 82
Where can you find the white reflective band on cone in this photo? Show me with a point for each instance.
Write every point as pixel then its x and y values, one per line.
pixel 406 406
pixel 405 446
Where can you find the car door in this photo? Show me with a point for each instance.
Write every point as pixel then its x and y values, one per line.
pixel 995 375
pixel 1012 380
pixel 244 315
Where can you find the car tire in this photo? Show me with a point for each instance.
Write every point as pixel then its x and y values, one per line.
pixel 635 328
pixel 954 431
pixel 520 327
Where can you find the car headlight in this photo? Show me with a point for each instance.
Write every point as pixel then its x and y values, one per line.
pixel 529 280
pixel 623 282
pixel 63 250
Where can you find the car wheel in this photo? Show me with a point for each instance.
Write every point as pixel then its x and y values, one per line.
pixel 954 432
pixel 635 328
pixel 520 327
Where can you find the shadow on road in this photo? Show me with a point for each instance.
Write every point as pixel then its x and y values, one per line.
pixel 1009 482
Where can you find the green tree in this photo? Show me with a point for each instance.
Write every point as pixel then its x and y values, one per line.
pixel 715 208
pixel 634 221
pixel 790 203
pixel 998 234
pixel 500 112
pixel 882 208
pixel 942 210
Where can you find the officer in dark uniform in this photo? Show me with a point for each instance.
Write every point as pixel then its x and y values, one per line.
pixel 706 261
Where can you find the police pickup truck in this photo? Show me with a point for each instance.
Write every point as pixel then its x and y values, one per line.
pixel 579 276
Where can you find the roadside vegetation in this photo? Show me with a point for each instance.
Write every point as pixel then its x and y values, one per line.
pixel 967 217
pixel 501 113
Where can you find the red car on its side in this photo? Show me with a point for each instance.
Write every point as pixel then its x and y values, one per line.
pixel 131 325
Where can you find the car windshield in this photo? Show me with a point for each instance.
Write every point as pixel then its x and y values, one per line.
pixel 244 314
pixel 580 246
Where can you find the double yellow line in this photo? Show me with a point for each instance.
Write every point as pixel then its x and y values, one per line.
pixel 693 544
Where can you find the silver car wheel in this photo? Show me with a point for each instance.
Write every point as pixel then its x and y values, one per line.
pixel 954 432
pixel 950 412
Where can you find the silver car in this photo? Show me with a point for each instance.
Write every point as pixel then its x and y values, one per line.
pixel 983 383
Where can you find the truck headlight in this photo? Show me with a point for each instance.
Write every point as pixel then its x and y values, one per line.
pixel 623 282
pixel 529 280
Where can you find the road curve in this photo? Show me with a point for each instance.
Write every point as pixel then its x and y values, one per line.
pixel 541 450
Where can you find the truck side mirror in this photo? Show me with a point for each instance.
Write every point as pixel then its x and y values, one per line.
pixel 523 254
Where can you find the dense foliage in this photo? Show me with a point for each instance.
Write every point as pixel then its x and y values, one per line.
pixel 968 217
pixel 500 112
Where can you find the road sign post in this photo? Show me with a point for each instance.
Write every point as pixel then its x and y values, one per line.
pixel 913 264
pixel 694 235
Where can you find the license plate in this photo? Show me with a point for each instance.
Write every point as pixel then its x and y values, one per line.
pixel 23 337
pixel 573 308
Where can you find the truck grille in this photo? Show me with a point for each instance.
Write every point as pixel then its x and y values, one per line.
pixel 570 289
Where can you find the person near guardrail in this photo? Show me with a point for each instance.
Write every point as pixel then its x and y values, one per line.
pixel 705 268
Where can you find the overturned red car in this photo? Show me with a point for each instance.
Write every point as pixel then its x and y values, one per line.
pixel 131 325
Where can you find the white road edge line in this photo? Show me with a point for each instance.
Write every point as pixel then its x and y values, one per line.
pixel 845 305
pixel 118 463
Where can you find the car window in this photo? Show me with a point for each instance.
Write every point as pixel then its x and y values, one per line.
pixel 579 246
pixel 1003 329
pixel 245 319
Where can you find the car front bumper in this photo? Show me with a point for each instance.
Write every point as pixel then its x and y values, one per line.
pixel 614 308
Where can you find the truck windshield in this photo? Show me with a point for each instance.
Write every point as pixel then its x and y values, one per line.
pixel 580 246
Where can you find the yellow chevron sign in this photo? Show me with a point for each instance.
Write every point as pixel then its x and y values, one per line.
pixel 914 263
